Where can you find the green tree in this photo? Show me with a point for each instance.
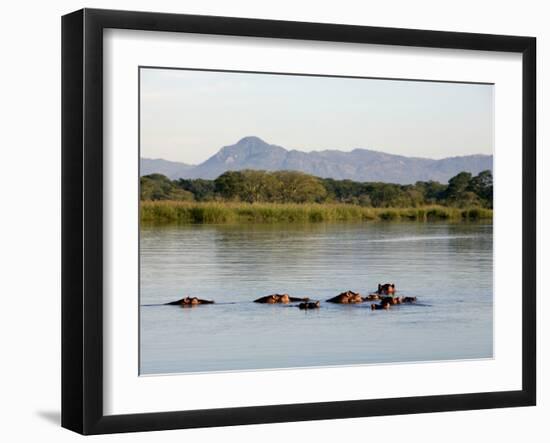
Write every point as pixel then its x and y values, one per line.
pixel 229 185
pixel 384 195
pixel 181 195
pixel 202 190
pixel 458 185
pixel 155 187
pixel 257 186
pixel 482 186
pixel 297 187
pixel 432 191
pixel 413 197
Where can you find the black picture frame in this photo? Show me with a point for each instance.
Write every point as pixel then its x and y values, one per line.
pixel 82 218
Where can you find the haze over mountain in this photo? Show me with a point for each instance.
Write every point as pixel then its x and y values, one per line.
pixel 358 165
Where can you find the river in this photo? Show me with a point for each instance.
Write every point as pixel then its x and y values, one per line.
pixel 448 266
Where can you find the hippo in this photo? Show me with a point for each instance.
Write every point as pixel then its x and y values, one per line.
pixel 372 297
pixel 347 297
pixel 310 305
pixel 408 300
pixel 190 301
pixel 386 289
pixel 382 305
pixel 392 300
pixel 279 298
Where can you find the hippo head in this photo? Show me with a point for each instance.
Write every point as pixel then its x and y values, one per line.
pixel 284 298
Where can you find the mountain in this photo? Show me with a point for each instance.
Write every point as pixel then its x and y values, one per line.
pixel 358 165
pixel 168 168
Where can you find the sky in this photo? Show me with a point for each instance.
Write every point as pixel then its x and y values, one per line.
pixel 187 116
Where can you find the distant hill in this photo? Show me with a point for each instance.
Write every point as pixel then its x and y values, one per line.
pixel 168 168
pixel 358 165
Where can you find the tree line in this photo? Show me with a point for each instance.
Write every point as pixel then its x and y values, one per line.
pixel 462 190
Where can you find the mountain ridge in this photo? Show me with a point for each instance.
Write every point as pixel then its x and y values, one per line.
pixel 359 164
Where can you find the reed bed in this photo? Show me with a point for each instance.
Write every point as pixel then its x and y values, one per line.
pixel 226 212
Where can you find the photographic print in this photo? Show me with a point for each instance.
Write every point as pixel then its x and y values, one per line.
pixel 297 221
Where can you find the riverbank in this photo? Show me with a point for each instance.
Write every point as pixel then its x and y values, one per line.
pixel 225 212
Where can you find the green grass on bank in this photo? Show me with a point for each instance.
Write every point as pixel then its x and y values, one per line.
pixel 214 212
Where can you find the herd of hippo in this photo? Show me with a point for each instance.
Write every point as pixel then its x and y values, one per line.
pixel 385 294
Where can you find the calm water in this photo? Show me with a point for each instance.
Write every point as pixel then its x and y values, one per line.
pixel 447 266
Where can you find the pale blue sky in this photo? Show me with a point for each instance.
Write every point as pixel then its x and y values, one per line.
pixel 188 116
